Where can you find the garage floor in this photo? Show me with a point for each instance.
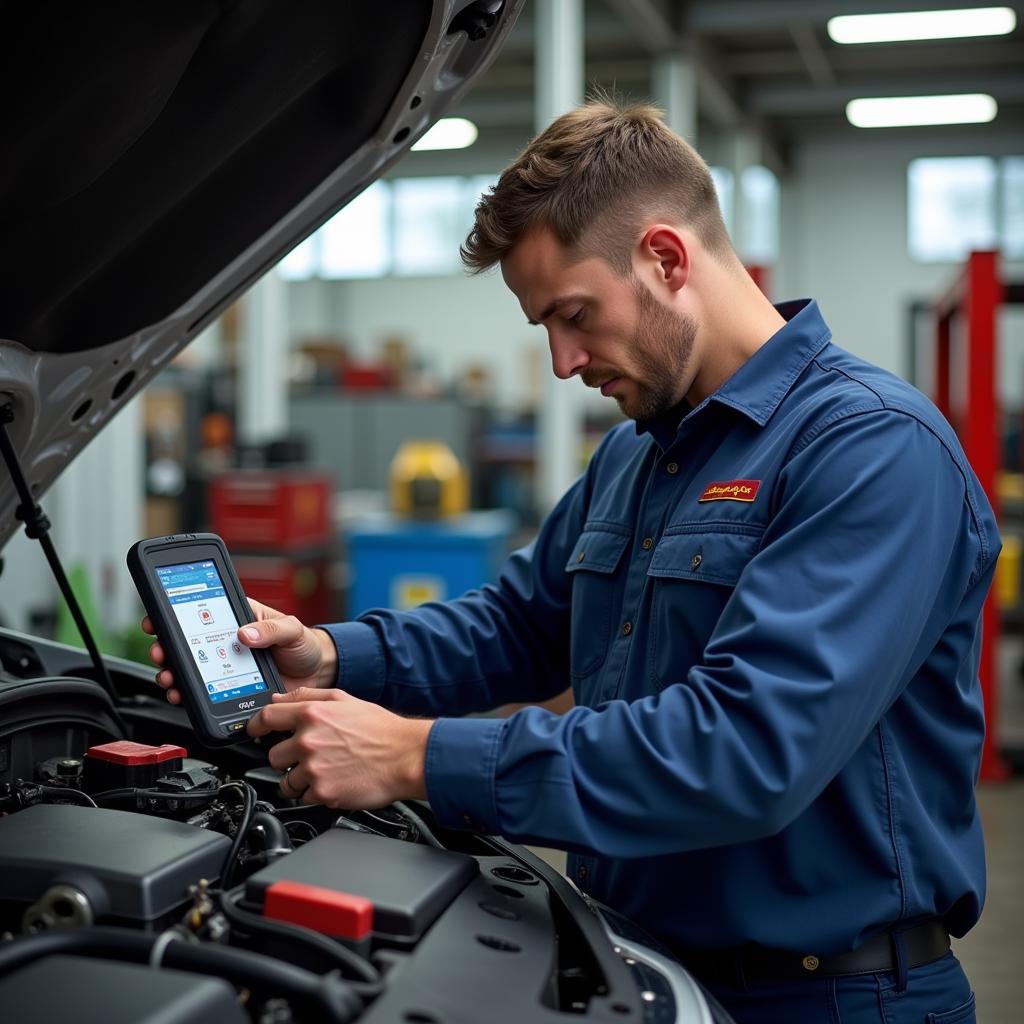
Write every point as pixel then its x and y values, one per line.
pixel 992 952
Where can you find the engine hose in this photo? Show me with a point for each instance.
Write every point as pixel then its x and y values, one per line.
pixel 342 956
pixel 248 803
pixel 274 835
pixel 328 995
pixel 421 826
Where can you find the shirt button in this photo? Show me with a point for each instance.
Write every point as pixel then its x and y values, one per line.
pixel 695 562
pixel 467 821
pixel 648 543
pixel 581 872
pixel 583 555
pixel 627 628
pixel 673 467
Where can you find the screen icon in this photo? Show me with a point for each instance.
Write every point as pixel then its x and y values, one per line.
pixel 222 652
pixel 205 616
pixel 202 656
pixel 236 647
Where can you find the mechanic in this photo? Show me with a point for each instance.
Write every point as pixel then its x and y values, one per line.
pixel 765 592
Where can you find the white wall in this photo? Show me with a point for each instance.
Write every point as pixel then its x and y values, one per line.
pixel 844 242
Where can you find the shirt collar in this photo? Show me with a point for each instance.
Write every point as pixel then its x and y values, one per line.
pixel 758 387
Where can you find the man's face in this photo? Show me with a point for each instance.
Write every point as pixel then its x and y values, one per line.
pixel 610 330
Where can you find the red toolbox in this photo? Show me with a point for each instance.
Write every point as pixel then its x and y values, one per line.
pixel 269 508
pixel 295 586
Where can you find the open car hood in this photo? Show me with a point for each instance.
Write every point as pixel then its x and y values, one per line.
pixel 160 157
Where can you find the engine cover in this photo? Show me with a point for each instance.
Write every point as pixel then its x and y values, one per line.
pixel 409 885
pixel 132 868
pixel 90 991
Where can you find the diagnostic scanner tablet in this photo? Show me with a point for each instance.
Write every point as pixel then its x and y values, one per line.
pixel 191 593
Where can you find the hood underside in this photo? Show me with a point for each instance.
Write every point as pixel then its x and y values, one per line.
pixel 160 157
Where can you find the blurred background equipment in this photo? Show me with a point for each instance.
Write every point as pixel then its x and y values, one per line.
pixel 428 481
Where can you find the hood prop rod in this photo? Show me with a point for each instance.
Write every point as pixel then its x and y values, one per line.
pixel 37 527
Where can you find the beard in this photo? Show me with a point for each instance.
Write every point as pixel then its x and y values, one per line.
pixel 661 349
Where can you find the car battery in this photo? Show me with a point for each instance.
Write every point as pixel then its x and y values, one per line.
pixel 296 585
pixel 271 509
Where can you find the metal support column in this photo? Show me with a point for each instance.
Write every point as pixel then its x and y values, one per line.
pixel 675 91
pixel 559 88
pixel 746 152
pixel 263 361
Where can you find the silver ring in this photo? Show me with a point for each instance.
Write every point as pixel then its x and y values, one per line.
pixel 288 778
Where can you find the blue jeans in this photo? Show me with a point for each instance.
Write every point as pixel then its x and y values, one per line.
pixel 936 993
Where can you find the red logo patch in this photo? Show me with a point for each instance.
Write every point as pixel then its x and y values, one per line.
pixel 732 490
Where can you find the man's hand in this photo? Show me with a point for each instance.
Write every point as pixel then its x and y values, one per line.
pixel 305 657
pixel 345 752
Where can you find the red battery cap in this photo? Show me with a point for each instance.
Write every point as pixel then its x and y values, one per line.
pixel 126 752
pixel 324 910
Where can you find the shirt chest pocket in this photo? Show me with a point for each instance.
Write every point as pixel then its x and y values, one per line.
pixel 693 575
pixel 593 565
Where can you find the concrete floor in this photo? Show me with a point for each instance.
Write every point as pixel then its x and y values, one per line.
pixel 993 952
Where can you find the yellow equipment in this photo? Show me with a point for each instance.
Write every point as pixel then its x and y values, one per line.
pixel 428 481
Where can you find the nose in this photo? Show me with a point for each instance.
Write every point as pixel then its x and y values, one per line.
pixel 568 357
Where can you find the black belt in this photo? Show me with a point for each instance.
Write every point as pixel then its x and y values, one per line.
pixel 744 965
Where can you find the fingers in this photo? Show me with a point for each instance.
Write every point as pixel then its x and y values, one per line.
pixel 307 693
pixel 274 719
pixel 294 783
pixel 279 632
pixel 284 754
pixel 264 611
pixel 163 678
pixel 289 710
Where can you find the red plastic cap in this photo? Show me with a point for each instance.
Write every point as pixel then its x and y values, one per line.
pixel 324 910
pixel 126 752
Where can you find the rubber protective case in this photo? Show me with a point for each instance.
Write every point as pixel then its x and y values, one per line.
pixel 143 559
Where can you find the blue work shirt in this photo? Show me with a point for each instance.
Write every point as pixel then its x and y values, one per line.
pixel 769 615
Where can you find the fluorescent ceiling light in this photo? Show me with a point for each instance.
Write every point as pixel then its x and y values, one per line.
pixel 892 28
pixel 905 111
pixel 448 133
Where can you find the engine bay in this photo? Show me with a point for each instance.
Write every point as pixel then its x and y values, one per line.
pixel 132 870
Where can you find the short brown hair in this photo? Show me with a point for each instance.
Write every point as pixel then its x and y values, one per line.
pixel 592 177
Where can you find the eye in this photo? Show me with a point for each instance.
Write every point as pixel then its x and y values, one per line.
pixel 576 317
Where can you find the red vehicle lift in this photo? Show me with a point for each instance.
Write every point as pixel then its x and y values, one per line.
pixel 969 399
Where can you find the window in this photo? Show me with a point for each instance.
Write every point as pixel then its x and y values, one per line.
pixel 356 242
pixel 428 219
pixel 952 207
pixel 759 241
pixel 957 204
pixel 723 179
pixel 409 226
pixel 1012 219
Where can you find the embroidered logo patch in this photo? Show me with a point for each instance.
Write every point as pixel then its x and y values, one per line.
pixel 732 490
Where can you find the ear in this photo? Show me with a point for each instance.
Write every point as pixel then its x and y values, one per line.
pixel 663 245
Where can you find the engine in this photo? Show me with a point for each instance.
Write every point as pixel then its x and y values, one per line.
pixel 141 885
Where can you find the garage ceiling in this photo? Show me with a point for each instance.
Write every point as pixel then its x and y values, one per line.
pixel 767 65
